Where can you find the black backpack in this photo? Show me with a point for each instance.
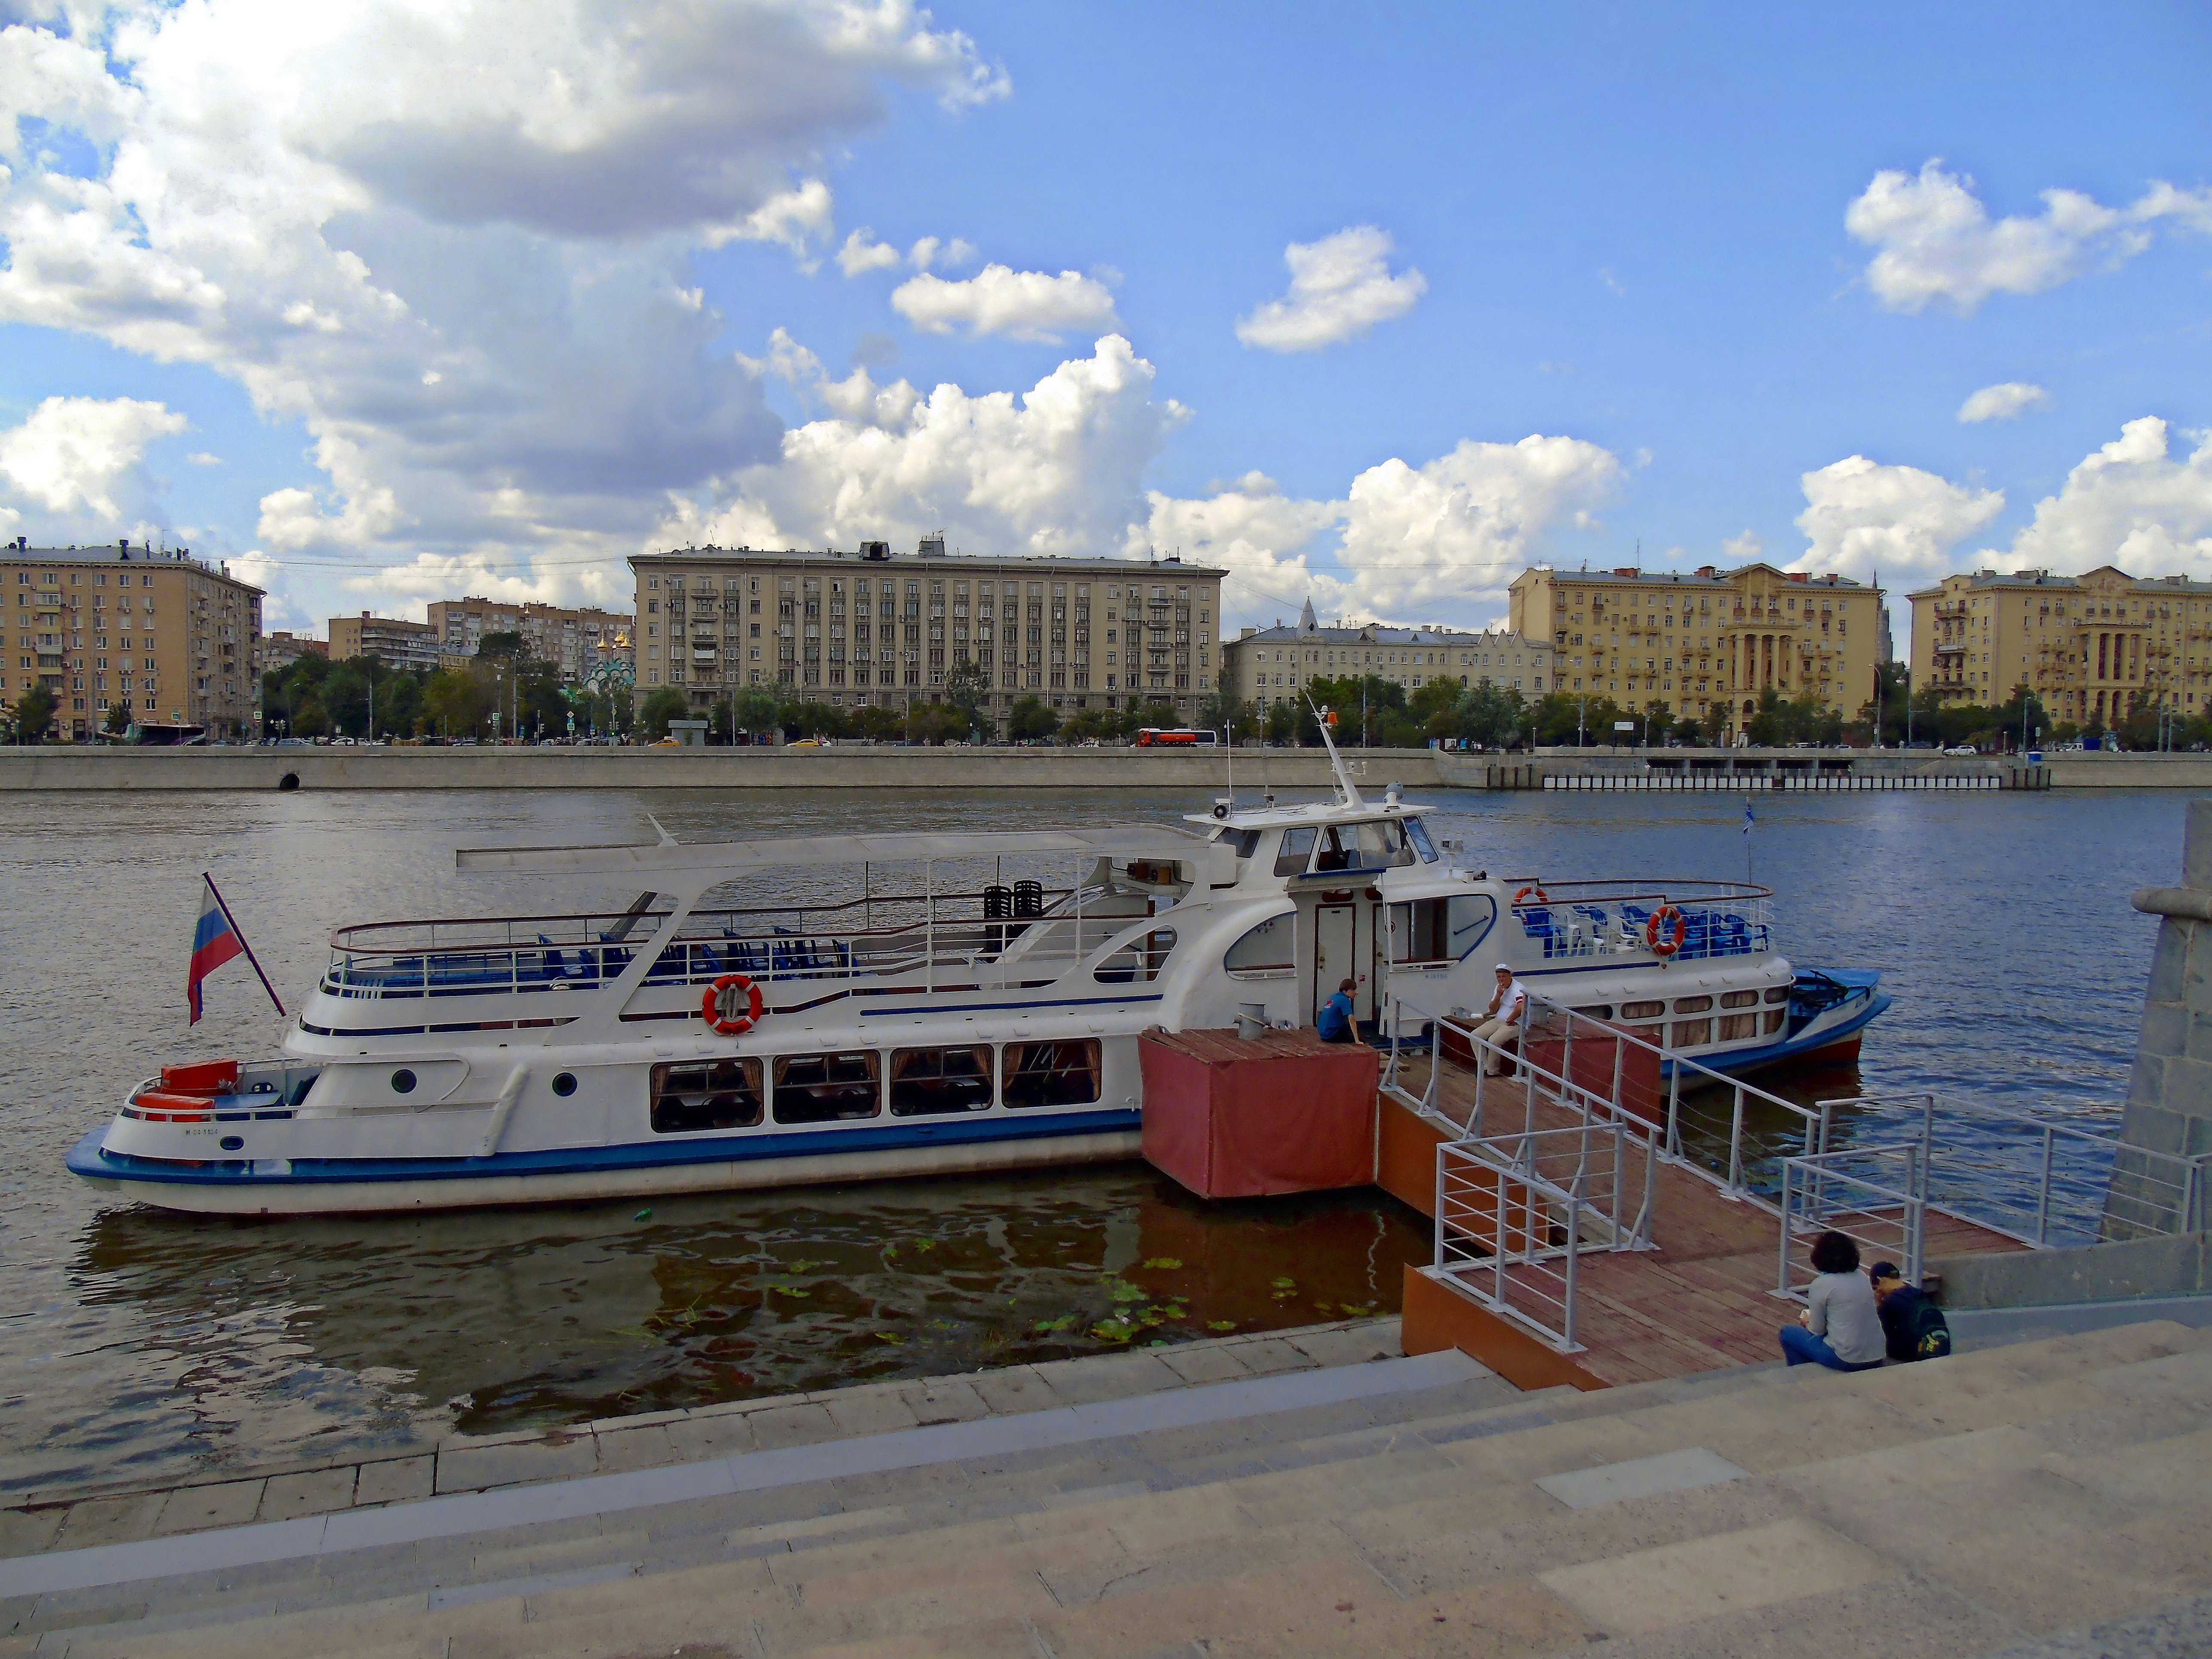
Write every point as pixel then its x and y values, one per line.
pixel 1929 1330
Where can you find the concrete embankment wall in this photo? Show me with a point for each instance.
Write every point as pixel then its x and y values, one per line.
pixel 67 769
pixel 2176 1265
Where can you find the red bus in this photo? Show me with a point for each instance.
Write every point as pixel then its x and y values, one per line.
pixel 1183 737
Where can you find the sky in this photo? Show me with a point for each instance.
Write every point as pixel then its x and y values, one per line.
pixel 382 301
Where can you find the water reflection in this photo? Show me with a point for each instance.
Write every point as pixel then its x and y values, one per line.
pixel 560 1315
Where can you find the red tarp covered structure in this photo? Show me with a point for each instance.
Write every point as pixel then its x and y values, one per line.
pixel 1236 1117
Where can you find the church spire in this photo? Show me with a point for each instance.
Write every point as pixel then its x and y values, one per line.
pixel 1307 623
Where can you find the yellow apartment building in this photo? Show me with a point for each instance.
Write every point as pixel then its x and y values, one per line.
pixel 2087 646
pixel 1705 642
pixel 168 637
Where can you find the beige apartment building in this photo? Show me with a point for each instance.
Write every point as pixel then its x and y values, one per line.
pixel 1269 664
pixel 2087 646
pixel 579 641
pixel 398 642
pixel 872 627
pixel 168 637
pixel 1708 642
pixel 275 652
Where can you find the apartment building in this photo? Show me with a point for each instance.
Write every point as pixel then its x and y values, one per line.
pixel 1273 663
pixel 398 642
pixel 276 651
pixel 872 627
pixel 578 641
pixel 2087 646
pixel 167 637
pixel 1706 643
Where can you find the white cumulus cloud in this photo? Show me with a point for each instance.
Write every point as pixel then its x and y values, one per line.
pixel 2002 402
pixel 1935 240
pixel 1024 305
pixel 453 241
pixel 1340 287
pixel 1862 516
pixel 2133 503
pixel 77 462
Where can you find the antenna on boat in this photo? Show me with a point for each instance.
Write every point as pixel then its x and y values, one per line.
pixel 666 839
pixel 1348 790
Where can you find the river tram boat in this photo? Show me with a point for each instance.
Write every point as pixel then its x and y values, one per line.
pixel 901 1008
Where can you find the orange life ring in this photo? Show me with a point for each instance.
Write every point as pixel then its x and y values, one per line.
pixel 1542 897
pixel 1681 923
pixel 726 1024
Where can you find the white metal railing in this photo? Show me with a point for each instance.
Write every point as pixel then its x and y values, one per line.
pixel 2039 1180
pixel 1507 1239
pixel 1875 1195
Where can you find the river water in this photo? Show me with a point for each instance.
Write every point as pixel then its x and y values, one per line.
pixel 137 1346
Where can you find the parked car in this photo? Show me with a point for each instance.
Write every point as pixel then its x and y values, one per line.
pixel 1962 749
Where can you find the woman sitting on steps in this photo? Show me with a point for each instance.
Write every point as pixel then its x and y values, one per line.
pixel 1841 1326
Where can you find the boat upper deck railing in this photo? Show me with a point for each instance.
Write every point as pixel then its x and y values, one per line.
pixel 1021 932
pixel 1601 918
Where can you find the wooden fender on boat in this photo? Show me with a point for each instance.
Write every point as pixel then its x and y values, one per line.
pixel 718 1008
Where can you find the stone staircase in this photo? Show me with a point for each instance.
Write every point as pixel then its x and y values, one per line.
pixel 1964 1506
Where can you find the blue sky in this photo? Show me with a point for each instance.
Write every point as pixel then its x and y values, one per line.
pixel 448 358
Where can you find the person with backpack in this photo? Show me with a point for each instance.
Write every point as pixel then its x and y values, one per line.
pixel 1913 1326
pixel 1841 1326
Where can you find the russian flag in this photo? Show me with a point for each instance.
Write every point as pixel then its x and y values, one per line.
pixel 215 942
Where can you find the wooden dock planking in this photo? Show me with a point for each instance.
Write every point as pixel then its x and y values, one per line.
pixel 1702 1299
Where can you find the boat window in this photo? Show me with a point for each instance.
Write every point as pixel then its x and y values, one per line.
pixel 1641 1010
pixel 1421 839
pixel 1419 931
pixel 1735 1027
pixel 721 1094
pixel 1596 1010
pixel 1470 917
pixel 928 1082
pixel 1138 959
pixel 1242 842
pixel 1264 953
pixel 1065 1071
pixel 1692 1033
pixel 1776 1019
pixel 1738 999
pixel 1691 1004
pixel 1382 845
pixel 1778 993
pixel 1297 847
pixel 826 1088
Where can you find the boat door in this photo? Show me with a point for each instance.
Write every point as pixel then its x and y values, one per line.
pixel 1337 954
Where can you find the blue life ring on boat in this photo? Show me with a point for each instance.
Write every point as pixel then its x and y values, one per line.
pixel 1666 947
pixel 730 1024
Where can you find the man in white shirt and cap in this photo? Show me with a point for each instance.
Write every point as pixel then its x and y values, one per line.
pixel 1501 1021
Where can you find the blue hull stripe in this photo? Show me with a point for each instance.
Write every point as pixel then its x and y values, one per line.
pixel 1747 1058
pixel 87 1158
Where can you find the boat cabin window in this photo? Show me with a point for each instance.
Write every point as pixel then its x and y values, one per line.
pixel 1140 958
pixel 1738 999
pixel 1297 848
pixel 1691 1004
pixel 1596 1010
pixel 1264 953
pixel 1419 836
pixel 1778 993
pixel 1372 846
pixel 1242 842
pixel 1471 915
pixel 1420 931
pixel 1064 1072
pixel 827 1088
pixel 1735 1027
pixel 1691 1033
pixel 929 1082
pixel 721 1094
pixel 1641 1010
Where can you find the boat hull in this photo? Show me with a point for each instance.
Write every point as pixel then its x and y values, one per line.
pixel 1823 1042
pixel 367 1187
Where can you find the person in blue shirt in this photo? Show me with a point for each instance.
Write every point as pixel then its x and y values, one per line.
pixel 1334 1022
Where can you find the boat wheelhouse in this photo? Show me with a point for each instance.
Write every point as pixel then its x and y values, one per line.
pixel 836 1008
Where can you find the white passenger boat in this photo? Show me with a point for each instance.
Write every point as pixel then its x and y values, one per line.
pixel 897 1011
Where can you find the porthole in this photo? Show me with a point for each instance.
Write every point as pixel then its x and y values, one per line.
pixel 403 1082
pixel 234 1143
pixel 564 1083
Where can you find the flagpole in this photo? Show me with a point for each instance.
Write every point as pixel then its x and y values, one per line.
pixel 240 934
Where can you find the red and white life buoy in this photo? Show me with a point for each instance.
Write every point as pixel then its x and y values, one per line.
pixel 1542 897
pixel 1666 917
pixel 719 1007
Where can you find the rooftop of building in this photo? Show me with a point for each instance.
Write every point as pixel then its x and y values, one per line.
pixel 19 551
pixel 931 551
pixel 1381 633
pixel 1705 576
pixel 1986 580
